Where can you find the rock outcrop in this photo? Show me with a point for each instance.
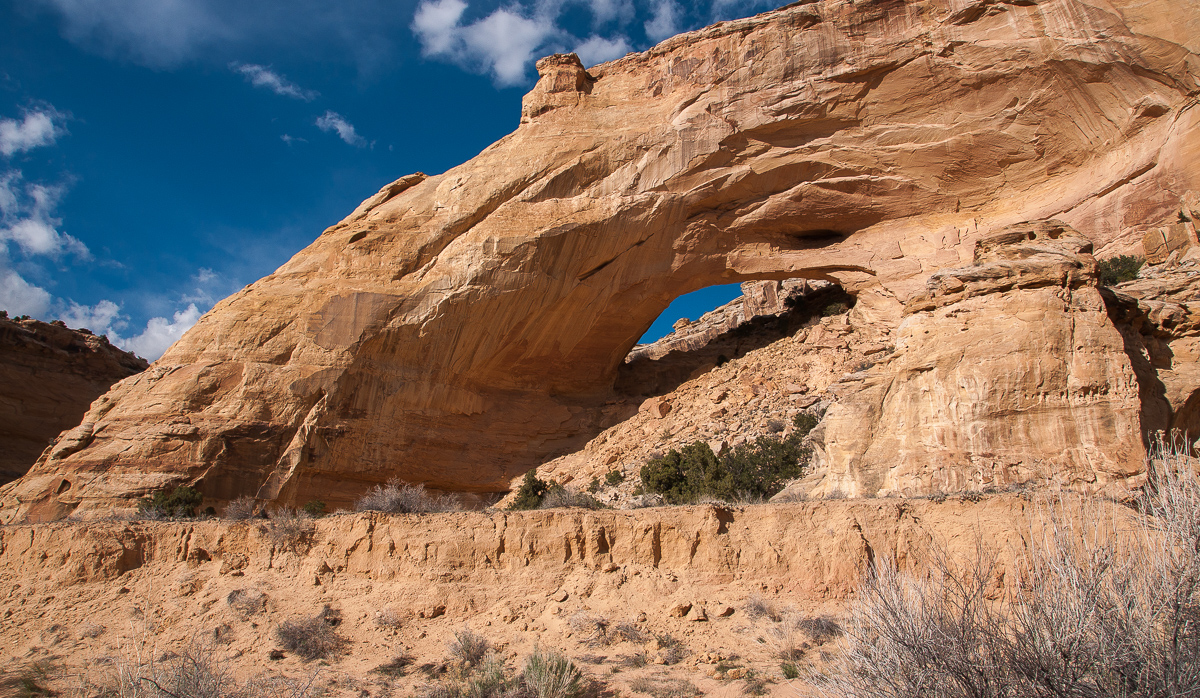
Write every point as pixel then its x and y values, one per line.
pixel 459 329
pixel 48 376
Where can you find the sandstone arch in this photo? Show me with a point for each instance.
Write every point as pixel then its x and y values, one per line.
pixel 457 329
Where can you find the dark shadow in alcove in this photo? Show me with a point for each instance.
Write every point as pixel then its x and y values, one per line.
pixel 642 376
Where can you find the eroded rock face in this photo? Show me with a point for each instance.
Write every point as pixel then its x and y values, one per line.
pixel 1007 371
pixel 459 329
pixel 48 376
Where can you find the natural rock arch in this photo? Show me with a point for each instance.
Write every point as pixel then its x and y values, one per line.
pixel 456 330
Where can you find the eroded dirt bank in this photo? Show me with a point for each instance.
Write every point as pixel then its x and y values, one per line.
pixel 85 595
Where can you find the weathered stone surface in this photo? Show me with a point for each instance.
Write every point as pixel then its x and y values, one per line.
pixel 48 376
pixel 1007 371
pixel 472 324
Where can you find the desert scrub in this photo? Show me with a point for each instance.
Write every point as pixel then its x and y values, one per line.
pixel 754 470
pixel 287 528
pixel 530 493
pixel 1106 606
pixel 551 675
pixel 468 647
pixel 313 637
pixel 559 497
pixel 399 498
pixel 1119 269
pixel 181 503
pixel 240 509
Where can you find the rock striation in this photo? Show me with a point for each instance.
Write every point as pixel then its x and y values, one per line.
pixel 459 329
pixel 48 376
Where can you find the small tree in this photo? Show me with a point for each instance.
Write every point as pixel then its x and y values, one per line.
pixel 181 503
pixel 530 494
pixel 1119 269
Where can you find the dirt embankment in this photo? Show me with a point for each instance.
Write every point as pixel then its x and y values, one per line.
pixel 82 597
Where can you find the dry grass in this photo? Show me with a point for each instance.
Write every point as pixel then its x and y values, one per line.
pixel 287 528
pixel 398 498
pixel 1105 604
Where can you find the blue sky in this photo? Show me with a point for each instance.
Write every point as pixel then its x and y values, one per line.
pixel 158 155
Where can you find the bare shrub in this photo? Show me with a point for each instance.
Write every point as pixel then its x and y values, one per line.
pixel 594 628
pixel 551 675
pixel 489 678
pixel 198 671
pixel 1106 605
pixel 311 638
pixel 286 527
pixel 240 509
pixel 665 688
pixel 468 647
pixel 247 601
pixel 399 498
pixel 757 607
pixel 559 497
pixel 389 618
pixel 628 631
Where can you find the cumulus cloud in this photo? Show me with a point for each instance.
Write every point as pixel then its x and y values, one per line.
pixel 334 122
pixel 103 318
pixel 106 318
pixel 26 218
pixel 37 128
pixel 605 11
pixel 597 49
pixel 160 333
pixel 18 296
pixel 665 20
pixel 261 76
pixel 504 43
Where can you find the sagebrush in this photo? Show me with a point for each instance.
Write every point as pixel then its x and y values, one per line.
pixel 1106 603
pixel 400 498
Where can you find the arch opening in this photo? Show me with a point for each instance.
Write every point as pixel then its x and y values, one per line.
pixel 762 313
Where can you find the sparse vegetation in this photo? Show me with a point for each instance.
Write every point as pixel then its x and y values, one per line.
pixel 1120 269
pixel 530 493
pixel 559 497
pixel 614 477
pixel 1106 605
pixel 551 675
pixel 665 688
pixel 311 638
pixel 241 509
pixel 286 528
pixel 398 498
pixel 181 503
pixel 314 508
pixel 836 308
pixel 752 471
pixel 468 647
pixel 247 601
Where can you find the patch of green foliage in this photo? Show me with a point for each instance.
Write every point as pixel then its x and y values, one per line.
pixel 179 504
pixel 614 477
pixel 753 470
pixel 315 508
pixel 530 493
pixel 1119 269
pixel 834 309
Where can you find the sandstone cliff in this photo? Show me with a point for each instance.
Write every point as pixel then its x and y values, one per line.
pixel 48 376
pixel 459 329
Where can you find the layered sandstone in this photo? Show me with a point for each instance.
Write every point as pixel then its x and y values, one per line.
pixel 459 329
pixel 48 376
pixel 81 599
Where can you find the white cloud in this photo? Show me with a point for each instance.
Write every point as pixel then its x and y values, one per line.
pixel 332 121
pixel 18 296
pixel 103 318
pixel 665 21
pixel 26 218
pixel 604 11
pixel 436 25
pixel 504 43
pixel 159 33
pixel 160 333
pixel 597 49
pixel 36 129
pixel 261 76
pixel 291 139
